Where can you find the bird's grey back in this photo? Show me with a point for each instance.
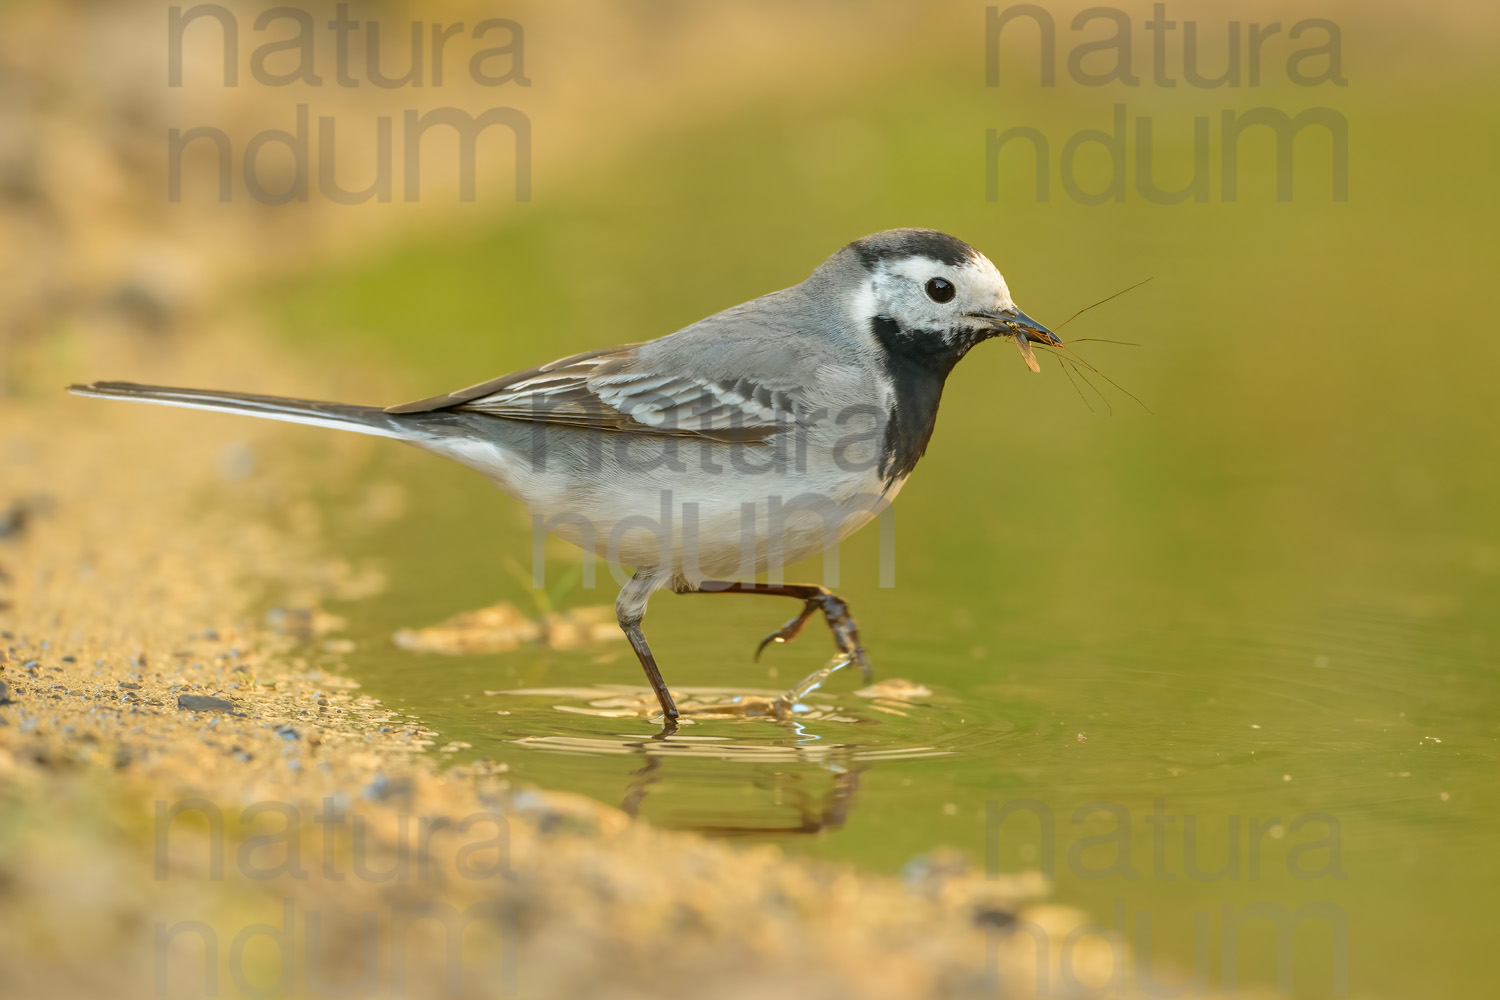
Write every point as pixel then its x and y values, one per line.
pixel 780 339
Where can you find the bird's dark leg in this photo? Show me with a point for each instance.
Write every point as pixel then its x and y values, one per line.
pixel 630 608
pixel 648 664
pixel 816 598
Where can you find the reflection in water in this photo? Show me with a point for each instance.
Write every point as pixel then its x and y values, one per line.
pixel 779 750
pixel 828 813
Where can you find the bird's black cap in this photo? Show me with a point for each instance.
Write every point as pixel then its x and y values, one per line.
pixel 894 244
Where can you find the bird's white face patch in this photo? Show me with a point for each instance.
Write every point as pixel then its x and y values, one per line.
pixel 899 289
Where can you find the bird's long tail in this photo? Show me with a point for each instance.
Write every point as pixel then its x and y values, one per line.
pixel 340 416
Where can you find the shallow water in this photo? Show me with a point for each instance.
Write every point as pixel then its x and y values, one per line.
pixel 1187 759
pixel 1239 650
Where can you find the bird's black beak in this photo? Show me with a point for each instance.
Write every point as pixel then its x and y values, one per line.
pixel 1015 323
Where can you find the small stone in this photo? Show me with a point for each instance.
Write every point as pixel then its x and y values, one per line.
pixel 5 694
pixel 381 788
pixel 990 916
pixel 895 688
pixel 203 703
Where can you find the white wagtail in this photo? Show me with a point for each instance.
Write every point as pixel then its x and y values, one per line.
pixel 753 438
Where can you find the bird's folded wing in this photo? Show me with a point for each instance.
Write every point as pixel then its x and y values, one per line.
pixel 616 390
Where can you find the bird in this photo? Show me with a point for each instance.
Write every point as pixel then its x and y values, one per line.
pixel 726 450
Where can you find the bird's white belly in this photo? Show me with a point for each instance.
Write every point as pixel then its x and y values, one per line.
pixel 705 520
pixel 701 531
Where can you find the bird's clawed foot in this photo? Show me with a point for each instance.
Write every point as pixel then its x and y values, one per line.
pixel 791 629
pixel 840 623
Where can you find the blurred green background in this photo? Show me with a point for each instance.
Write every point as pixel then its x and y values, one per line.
pixel 1272 595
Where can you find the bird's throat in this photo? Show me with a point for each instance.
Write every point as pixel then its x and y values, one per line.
pixel 918 362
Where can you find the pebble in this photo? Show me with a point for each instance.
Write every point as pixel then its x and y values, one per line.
pixel 382 787
pixel 203 703
pixel 988 916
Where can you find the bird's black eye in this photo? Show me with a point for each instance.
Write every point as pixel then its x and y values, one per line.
pixel 940 290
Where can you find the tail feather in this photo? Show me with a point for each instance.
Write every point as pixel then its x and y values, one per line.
pixel 340 416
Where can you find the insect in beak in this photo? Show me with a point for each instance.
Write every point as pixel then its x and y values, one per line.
pixel 1026 331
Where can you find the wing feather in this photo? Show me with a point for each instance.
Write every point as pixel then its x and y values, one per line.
pixel 613 390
